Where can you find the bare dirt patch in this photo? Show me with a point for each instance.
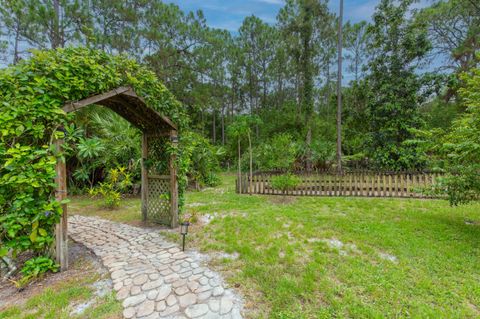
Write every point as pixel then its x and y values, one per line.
pixel 282 200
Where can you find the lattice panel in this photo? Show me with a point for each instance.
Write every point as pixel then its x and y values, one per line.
pixel 158 201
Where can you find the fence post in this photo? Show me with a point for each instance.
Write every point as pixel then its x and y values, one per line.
pixel 245 183
pixel 395 184
pixel 401 184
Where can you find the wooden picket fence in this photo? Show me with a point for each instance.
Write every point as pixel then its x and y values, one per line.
pixel 352 183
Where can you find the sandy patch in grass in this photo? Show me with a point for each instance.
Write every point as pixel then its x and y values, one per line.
pixel 388 257
pixel 282 200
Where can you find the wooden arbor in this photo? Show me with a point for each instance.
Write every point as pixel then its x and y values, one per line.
pixel 159 192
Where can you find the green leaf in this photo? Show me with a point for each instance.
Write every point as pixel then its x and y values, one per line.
pixel 33 236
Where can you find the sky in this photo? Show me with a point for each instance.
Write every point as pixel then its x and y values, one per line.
pixel 229 14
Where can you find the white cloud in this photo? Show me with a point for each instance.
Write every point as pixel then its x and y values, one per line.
pixel 229 25
pixel 358 12
pixel 279 2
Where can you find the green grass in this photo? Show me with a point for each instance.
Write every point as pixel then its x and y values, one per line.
pixel 286 269
pixel 129 212
pixel 56 302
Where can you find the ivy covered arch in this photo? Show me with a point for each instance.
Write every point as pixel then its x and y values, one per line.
pixel 37 97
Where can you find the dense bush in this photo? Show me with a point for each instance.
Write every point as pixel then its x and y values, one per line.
pixel 285 182
pixel 204 159
pixel 32 94
pixel 461 147
pixel 278 153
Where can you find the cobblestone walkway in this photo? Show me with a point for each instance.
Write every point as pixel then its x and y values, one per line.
pixel 152 277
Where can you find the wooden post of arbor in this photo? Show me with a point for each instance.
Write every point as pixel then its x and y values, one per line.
pixel 173 181
pixel 144 177
pixel 61 235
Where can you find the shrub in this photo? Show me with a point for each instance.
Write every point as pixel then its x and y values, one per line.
pixel 203 159
pixel 36 267
pixel 118 181
pixel 279 152
pixel 285 182
pixel 461 147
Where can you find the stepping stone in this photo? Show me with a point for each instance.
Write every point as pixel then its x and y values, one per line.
pixel 214 305
pixel 140 280
pixel 181 290
pixel 171 300
pixel 134 300
pixel 129 312
pixel 226 305
pixel 218 291
pixel 187 300
pixel 146 308
pixel 163 292
pixel 161 305
pixel 170 310
pixel 196 310
pixel 152 284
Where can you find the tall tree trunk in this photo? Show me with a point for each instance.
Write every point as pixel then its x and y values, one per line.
pixel 202 121
pixel 327 105
pixel 214 127
pixel 307 80
pixel 339 90
pixel 16 57
pixel 56 25
pixel 308 141
pixel 280 92
pixel 251 162
pixel 223 124
pixel 264 99
pixel 232 103
pixel 239 172
pixel 357 62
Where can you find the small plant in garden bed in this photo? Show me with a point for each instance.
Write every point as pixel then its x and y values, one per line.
pixel 110 191
pixel 36 267
pixel 285 182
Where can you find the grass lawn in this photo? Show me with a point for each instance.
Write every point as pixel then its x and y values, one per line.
pixel 129 212
pixel 312 257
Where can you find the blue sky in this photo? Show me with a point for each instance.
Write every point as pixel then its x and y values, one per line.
pixel 228 14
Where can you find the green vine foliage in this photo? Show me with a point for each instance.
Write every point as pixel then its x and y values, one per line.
pixel 32 94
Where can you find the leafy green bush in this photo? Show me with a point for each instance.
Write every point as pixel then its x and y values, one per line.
pixel 277 153
pixel 118 180
pixel 285 182
pixel 36 267
pixel 204 159
pixel 89 155
pixel 457 152
pixel 461 147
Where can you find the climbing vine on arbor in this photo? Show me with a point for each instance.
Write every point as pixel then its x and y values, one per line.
pixel 32 94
